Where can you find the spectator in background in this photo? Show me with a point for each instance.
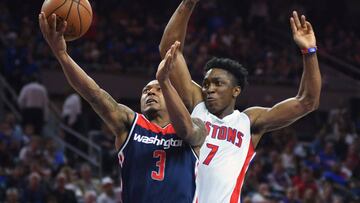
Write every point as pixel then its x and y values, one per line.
pixel 32 151
pixel 279 178
pixel 327 156
pixel 326 193
pixel 16 178
pixel 53 156
pixel 90 197
pixel 71 111
pixel 259 14
pixel 247 199
pixel 33 102
pixel 16 131
pixel 62 194
pixel 71 116
pixel 87 182
pixel 12 195
pixel 34 191
pixel 71 177
pixel 109 194
pixel 291 196
pixel 105 139
pixel 309 196
pixel 305 181
pixel 263 194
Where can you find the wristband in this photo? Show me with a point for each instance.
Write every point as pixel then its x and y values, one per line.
pixel 310 50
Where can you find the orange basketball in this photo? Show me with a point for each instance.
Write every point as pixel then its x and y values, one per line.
pixel 77 13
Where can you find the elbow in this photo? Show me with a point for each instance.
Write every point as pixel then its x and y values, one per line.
pixel 310 104
pixel 166 41
pixel 162 49
pixel 184 132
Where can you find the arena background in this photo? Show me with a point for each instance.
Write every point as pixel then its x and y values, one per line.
pixel 314 160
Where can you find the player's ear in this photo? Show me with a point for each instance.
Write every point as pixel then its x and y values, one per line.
pixel 236 91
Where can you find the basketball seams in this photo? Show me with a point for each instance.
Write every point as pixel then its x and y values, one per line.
pixel 79 3
pixel 78 10
pixel 67 11
pixel 56 8
pixel 67 15
pixel 90 13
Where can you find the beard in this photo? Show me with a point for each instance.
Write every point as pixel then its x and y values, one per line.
pixel 151 113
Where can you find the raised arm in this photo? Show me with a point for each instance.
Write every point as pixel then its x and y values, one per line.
pixel 175 30
pixel 192 130
pixel 308 97
pixel 117 116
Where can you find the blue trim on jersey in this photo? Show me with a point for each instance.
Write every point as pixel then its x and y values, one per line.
pixel 140 162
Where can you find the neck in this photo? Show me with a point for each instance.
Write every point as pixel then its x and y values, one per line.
pixel 226 111
pixel 160 119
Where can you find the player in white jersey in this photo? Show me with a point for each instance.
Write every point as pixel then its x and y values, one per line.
pixel 233 136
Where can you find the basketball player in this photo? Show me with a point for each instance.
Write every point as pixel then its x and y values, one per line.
pixel 152 157
pixel 234 135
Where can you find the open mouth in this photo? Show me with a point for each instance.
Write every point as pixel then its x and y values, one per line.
pixel 150 101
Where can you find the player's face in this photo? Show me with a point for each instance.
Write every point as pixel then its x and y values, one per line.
pixel 152 98
pixel 218 91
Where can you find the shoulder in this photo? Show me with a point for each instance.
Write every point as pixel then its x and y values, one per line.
pixel 243 116
pixel 254 113
pixel 199 108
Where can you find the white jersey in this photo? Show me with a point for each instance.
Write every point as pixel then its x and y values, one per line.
pixel 224 156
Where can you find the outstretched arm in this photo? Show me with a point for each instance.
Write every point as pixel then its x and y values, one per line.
pixel 118 117
pixel 308 97
pixel 175 30
pixel 192 130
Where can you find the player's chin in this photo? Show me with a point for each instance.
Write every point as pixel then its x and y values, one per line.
pixel 150 109
pixel 211 106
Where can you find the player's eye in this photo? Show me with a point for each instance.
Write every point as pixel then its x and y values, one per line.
pixel 205 85
pixel 145 91
pixel 218 83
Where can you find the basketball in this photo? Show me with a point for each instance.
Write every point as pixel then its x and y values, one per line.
pixel 77 13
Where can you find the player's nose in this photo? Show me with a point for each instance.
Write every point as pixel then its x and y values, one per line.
pixel 151 91
pixel 210 89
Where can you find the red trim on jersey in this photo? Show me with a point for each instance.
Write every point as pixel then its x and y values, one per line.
pixel 240 180
pixel 145 123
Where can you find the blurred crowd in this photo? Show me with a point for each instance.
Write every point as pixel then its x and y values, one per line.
pixel 120 40
pixel 322 166
pixel 315 161
pixel 35 168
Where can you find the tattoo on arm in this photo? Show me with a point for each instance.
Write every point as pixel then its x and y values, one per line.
pixel 103 102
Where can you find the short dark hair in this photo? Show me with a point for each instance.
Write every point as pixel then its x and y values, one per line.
pixel 235 68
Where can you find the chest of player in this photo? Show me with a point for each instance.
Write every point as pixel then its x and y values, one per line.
pixel 144 138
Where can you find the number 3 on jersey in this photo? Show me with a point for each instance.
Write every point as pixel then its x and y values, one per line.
pixel 159 175
pixel 210 156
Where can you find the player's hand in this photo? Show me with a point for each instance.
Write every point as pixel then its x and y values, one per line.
pixel 302 31
pixel 54 36
pixel 167 64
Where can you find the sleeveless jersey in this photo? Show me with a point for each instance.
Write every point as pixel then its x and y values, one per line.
pixel 224 156
pixel 156 165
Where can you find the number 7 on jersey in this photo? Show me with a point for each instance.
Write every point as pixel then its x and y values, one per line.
pixel 210 156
